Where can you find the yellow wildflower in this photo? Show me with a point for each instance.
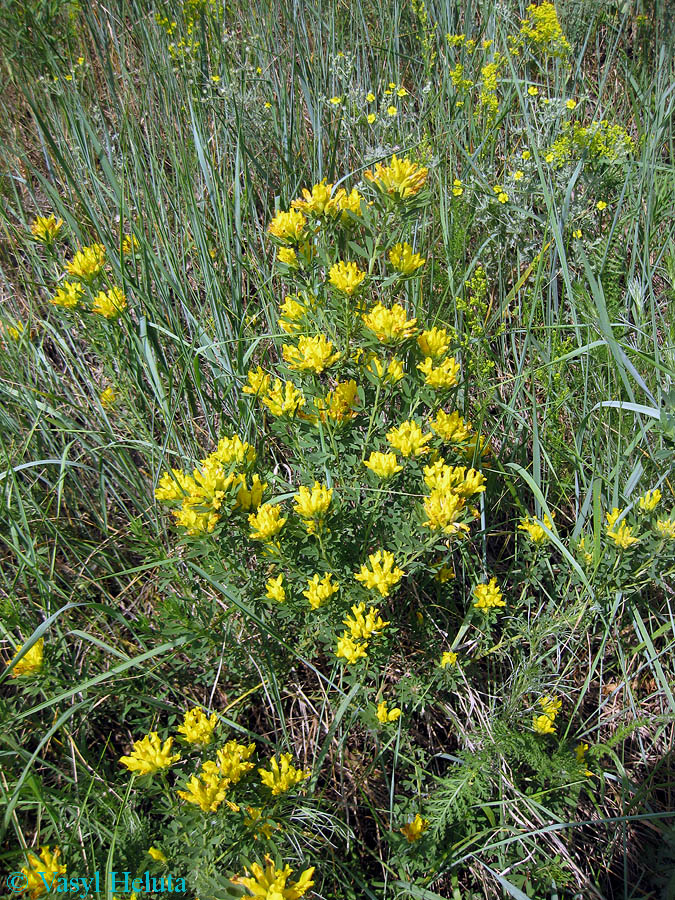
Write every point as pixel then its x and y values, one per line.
pixel 107 398
pixel 283 398
pixel 440 377
pixel 534 529
pixel 288 226
pixel 550 705
pixel 389 373
pixel 46 228
pixel 543 724
pixel 402 178
pixel 87 262
pixel 206 790
pixel 339 403
pixel 414 830
pixel 457 187
pixel 488 596
pixel 600 205
pixel 580 754
pixel 30 662
pixel 233 761
pixel 526 154
pixel 41 872
pixel 518 175
pixel 391 111
pixel 350 650
pixel 384 465
pixel 282 775
pixel 275 589
pixel 442 509
pixel 346 277
pixel 362 627
pixel 69 295
pixel 532 90
pixel 313 354
pixel 384 715
pixel 577 233
pixel 570 104
pixel 449 658
pixel 266 522
pixel 649 501
pixel 621 536
pixel 403 259
pixel 291 313
pixel 157 854
pixel 434 342
pixel 287 256
pixel 320 590
pixel 336 101
pixel 666 528
pixel 110 303
pixel 258 382
pixel 150 755
pixel 173 485
pixel 543 32
pixel 129 243
pixel 408 439
pixel 250 499
pixel 370 97
pixel 197 727
pixel 314 503
pixel 275 884
pixel 382 575
pixel 389 325
pixel 451 427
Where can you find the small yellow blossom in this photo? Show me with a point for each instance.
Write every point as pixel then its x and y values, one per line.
pixel 312 354
pixel 107 398
pixel 350 650
pixel 68 295
pixel 233 761
pixel 444 574
pixel 457 188
pixel 314 503
pixel 449 658
pixel 549 157
pixel 649 501
pixel 87 262
pixel 320 590
pixel 526 154
pixel 543 724
pixel 532 90
pixel 534 529
pixel 371 118
pixel 434 342
pixel 362 625
pixel 346 277
pixel 283 398
pixel 503 197
pixel 414 830
pixel 384 465
pixel 275 589
pixel 389 373
pixel 336 101
pixel 389 325
pixel 110 304
pixel 580 754
pixel 150 755
pixel 402 178
pixel 46 228
pixel 443 508
pixel 384 715
pixel 571 104
pixel 41 872
pixel 601 205
pixel 621 536
pixel 339 403
pixel 383 573
pixel 129 243
pixel 282 775
pixel 403 259
pixel 666 528
pixel 550 705
pixel 488 596
pixel 392 111
pixel 408 439
pixel 275 884
pixel 31 661
pixel 288 226
pixel 266 523
pixel 440 377
pixel 206 790
pixel 577 233
pixel 258 382
pixel 451 427
pixel 518 175
pixel 370 97
pixel 157 854
pixel 197 727
pixel 288 257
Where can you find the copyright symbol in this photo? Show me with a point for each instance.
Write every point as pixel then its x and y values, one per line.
pixel 17 882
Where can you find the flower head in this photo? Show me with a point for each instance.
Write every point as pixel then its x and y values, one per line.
pixel 649 501
pixel 150 755
pixel 197 727
pixel 449 658
pixel 543 724
pixel 288 227
pixel 275 884
pixel 206 790
pixel 339 403
pixel 110 303
pixel 363 625
pixel 350 650
pixel 440 377
pixel 313 354
pixel 31 662
pixel 313 504
pixel 621 536
pixel 41 871
pixel 346 277
pixel 666 528
pixel 266 523
pixel 383 573
pixel 390 326
pixel 414 830
pixel 283 398
pixel 534 529
pixel 434 342
pixel 451 427
pixel 385 715
pixel 320 590
pixel 87 262
pixel 401 179
pixel 157 854
pixel 408 439
pixel 275 589
pixel 233 761
pixel 282 775
pixel 384 465
pixel 404 260
pixel 488 596
pixel 68 295
pixel 108 397
pixel 46 228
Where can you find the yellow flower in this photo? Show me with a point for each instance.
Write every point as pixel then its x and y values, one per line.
pixel 580 754
pixel 577 233
pixel 666 528
pixel 288 226
pixel 314 503
pixel 408 439
pixel 46 228
pixel 434 342
pixel 150 755
pixel 414 830
pixel 233 449
pixel 543 32
pixel 232 761
pixel 31 662
pixel 173 485
pixel 449 658
pixel 442 509
pixel 649 501
pixel 550 705
pixel 402 178
pixel 339 403
pixel 526 154
pixel 384 715
pixel 282 775
pixel 318 591
pixel 266 522
pixel 250 499
pixel 403 259
pixel 391 111
pixel 601 205
pixel 488 596
pixel 570 104
pixel 389 325
pixel 440 377
pixel 384 465
pixel 258 382
pixel 157 854
pixel 444 574
pixel 534 529
pixel 283 398
pixel 110 303
pixel 549 157
pixel 206 790
pixel 41 871
pixel 382 575
pixel 319 201
pixel 350 650
pixel 336 101
pixel 518 175
pixel 197 727
pixel 503 197
pixel 275 884
pixel 371 118
pixel 532 90
pixel 287 256
pixel 313 354
pixel 391 373
pixel 129 243
pixel 543 724
pixel 291 313
pixel 346 277
pixel 275 589
pixel 370 97
pixel 362 627
pixel 621 536
pixel 451 427
pixel 87 262
pixel 107 398
pixel 457 188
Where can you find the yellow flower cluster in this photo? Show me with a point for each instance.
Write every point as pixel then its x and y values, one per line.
pixel 409 439
pixel 208 789
pixel 352 645
pixel 381 574
pixel 390 326
pixel 414 830
pixel 282 775
pixel 275 884
pixel 322 201
pixel 544 723
pixel 449 489
pixel 384 465
pixel 110 304
pixel 197 727
pixel 404 260
pixel 87 262
pixel 543 32
pixel 386 715
pixel 150 755
pixel 401 179
pixel 488 596
pixel 622 536
pixel 534 529
pixel 312 354
pixel 320 589
pixel 31 662
pixel 41 872
pixel 46 228
pixel 346 277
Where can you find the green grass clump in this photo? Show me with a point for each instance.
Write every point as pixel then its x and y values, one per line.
pixel 337 426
